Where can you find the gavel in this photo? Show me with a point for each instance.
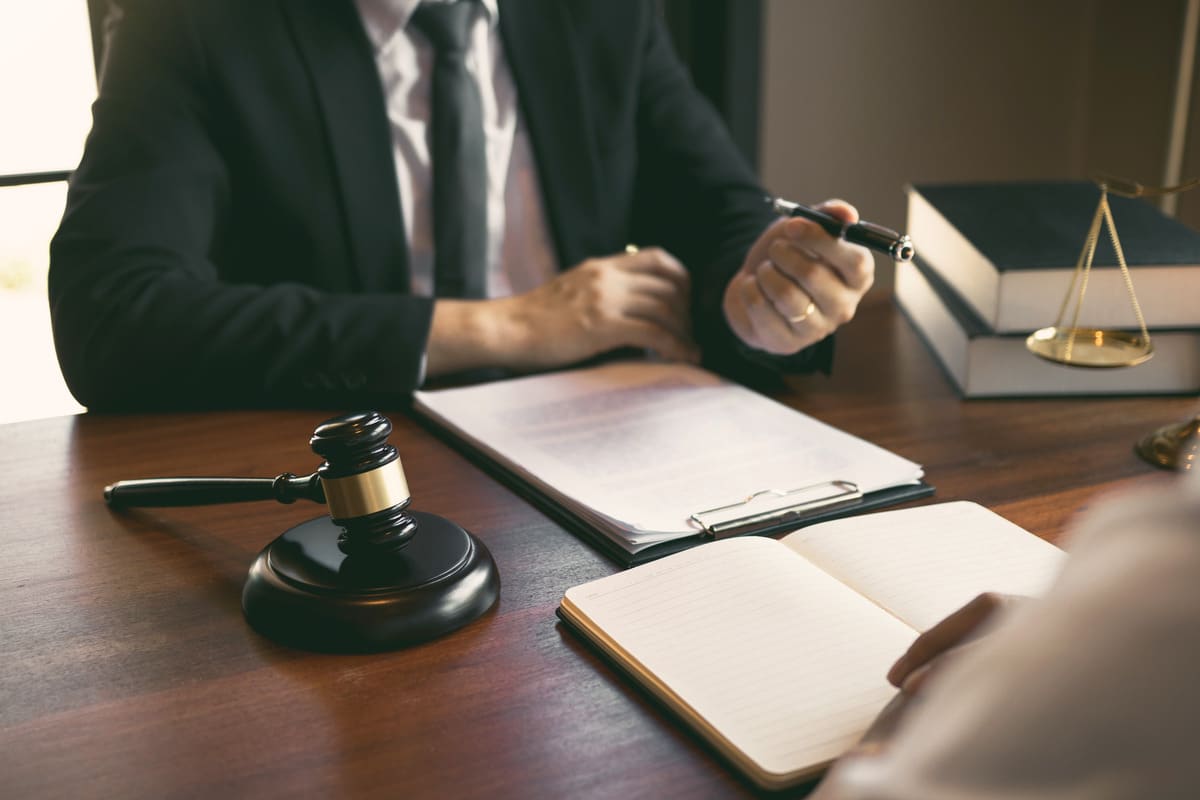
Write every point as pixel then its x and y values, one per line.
pixel 361 481
pixel 372 575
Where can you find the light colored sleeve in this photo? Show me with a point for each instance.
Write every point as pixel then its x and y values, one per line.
pixel 1092 692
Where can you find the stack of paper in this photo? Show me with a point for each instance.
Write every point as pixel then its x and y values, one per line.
pixel 635 449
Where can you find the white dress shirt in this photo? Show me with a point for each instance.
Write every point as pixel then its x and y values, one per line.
pixel 1091 693
pixel 520 254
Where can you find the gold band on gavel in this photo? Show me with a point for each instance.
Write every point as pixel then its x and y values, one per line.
pixel 359 495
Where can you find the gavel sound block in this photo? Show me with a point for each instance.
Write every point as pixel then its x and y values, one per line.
pixel 370 576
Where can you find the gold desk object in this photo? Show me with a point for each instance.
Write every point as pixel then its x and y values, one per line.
pixel 1174 447
pixel 1090 347
pixel 1093 347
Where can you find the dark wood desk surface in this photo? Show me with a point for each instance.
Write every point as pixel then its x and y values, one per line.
pixel 128 671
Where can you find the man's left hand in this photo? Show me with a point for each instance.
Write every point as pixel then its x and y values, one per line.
pixel 798 284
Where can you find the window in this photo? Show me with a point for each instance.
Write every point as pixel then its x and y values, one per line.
pixel 47 85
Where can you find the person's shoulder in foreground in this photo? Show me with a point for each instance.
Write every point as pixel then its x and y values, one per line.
pixel 1089 692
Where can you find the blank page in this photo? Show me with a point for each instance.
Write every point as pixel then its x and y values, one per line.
pixel 923 563
pixel 785 663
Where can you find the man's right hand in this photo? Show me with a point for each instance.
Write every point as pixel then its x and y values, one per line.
pixel 639 299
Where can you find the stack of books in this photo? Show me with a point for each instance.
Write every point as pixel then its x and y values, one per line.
pixel 995 262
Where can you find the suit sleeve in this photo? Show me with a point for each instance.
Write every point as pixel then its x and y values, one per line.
pixel 698 197
pixel 143 314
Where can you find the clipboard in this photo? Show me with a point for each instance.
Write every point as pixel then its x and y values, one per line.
pixel 767 506
pixel 763 513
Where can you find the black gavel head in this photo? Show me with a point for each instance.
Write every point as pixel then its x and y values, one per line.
pixel 364 483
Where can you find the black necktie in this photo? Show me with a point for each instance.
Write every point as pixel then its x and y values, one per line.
pixel 459 161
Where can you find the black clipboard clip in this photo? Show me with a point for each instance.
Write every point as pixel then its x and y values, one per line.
pixel 773 505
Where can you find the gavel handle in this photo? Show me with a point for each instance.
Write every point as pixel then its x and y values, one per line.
pixel 163 492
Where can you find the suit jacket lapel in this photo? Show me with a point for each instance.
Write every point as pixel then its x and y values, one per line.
pixel 341 66
pixel 540 46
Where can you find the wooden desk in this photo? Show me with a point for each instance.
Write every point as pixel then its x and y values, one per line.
pixel 128 671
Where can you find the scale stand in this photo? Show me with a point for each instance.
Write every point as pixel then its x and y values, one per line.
pixel 1093 347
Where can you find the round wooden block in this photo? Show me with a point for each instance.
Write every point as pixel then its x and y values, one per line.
pixel 305 592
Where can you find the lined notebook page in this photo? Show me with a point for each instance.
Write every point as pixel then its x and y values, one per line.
pixel 784 661
pixel 923 563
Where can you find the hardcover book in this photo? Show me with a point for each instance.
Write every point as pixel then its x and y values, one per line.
pixel 984 364
pixel 1010 250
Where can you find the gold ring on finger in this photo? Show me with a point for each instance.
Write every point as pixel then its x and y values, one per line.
pixel 803 315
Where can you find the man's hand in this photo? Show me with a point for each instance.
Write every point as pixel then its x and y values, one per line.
pixel 798 284
pixel 911 670
pixel 638 299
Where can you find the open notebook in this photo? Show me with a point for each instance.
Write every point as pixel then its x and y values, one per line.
pixel 776 651
pixel 634 450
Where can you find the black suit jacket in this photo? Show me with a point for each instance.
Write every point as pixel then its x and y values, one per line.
pixel 233 236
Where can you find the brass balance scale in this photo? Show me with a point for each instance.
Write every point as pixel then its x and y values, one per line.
pixel 1173 446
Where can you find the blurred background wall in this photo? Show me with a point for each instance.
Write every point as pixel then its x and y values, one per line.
pixel 858 98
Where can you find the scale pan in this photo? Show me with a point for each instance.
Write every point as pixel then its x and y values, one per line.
pixel 1090 347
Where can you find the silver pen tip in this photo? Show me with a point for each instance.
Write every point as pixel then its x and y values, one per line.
pixel 782 207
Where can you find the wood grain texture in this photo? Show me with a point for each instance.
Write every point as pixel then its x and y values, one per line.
pixel 127 670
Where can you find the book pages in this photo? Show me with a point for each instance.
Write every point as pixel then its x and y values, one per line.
pixel 777 663
pixel 922 563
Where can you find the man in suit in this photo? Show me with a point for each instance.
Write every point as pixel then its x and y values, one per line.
pixel 253 223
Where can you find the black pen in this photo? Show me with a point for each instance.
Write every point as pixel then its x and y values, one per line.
pixel 869 235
